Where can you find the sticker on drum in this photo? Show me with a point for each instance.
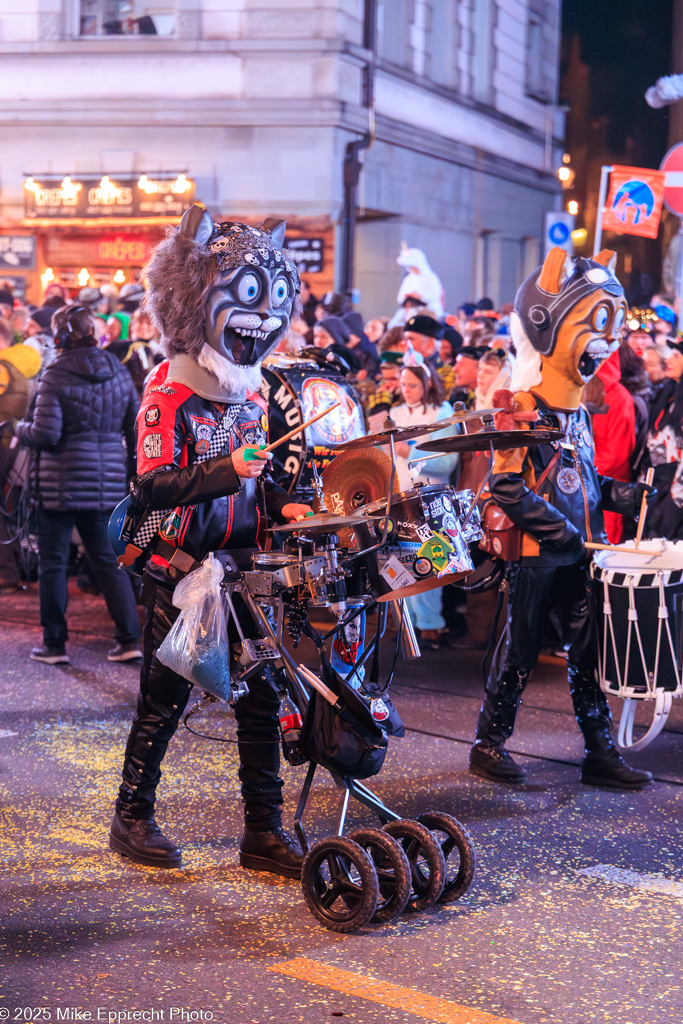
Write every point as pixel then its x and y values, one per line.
pixel 396 575
pixel 437 549
pixel 447 503
pixel 424 532
pixel 422 567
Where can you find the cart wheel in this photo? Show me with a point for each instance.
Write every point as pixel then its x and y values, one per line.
pixel 427 864
pixel 458 851
pixel 393 871
pixel 340 884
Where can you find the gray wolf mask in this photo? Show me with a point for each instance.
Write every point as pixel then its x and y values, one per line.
pixel 223 294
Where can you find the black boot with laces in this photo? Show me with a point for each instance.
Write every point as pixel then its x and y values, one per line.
pixel 143 842
pixel 274 851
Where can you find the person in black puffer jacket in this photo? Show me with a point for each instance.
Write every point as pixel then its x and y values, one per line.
pixel 84 407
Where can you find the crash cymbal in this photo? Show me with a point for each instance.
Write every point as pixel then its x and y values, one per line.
pixel 324 522
pixel 381 438
pixel 355 478
pixel 483 439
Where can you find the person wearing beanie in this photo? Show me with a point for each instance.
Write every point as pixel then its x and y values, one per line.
pixel 39 321
pixel 361 344
pixel 117 327
pixel 387 393
pixel 466 370
pixel 332 334
pixel 130 297
pixel 90 297
pixel 6 303
pixel 39 334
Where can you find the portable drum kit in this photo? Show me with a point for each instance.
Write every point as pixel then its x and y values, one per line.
pixel 366 548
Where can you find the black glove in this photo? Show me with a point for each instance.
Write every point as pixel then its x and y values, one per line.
pixel 643 489
pixel 576 547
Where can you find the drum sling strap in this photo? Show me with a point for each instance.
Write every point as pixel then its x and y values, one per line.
pixel 149 527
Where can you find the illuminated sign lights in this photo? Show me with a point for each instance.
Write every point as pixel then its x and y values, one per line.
pixel 107 196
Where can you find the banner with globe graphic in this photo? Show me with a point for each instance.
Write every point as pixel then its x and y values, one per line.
pixel 634 204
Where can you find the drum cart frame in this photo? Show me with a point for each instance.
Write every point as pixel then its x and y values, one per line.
pixel 373 874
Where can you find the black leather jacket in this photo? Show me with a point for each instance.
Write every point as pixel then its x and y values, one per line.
pixel 568 510
pixel 214 509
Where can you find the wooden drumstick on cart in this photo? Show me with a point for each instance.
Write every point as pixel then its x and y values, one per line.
pixel 250 453
pixel 643 507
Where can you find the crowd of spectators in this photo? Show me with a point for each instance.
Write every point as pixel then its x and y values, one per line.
pixel 418 364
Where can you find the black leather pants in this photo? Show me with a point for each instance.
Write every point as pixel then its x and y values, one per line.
pixel 566 593
pixel 161 703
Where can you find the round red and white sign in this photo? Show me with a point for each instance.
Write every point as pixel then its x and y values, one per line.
pixel 672 165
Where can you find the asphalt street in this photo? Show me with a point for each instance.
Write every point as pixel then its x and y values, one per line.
pixel 574 916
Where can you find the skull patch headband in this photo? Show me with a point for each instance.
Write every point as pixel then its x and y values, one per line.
pixel 234 245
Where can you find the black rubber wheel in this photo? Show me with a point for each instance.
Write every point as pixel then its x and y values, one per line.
pixel 427 864
pixel 393 871
pixel 458 851
pixel 340 884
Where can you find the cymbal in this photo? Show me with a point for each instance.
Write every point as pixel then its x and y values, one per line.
pixel 483 439
pixel 324 522
pixel 382 437
pixel 356 478
pixel 467 416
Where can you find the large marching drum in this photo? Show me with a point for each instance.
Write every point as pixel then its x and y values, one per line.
pixel 296 390
pixel 640 608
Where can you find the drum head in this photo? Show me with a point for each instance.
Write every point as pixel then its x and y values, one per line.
pixel 650 556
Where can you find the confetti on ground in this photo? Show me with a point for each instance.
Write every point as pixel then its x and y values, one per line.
pixel 634 879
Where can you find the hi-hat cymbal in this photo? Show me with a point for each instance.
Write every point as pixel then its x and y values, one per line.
pixel 324 522
pixel 483 439
pixel 356 478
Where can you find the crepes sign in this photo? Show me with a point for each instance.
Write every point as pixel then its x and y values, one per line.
pixel 111 196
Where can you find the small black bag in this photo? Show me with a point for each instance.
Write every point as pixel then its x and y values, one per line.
pixel 348 742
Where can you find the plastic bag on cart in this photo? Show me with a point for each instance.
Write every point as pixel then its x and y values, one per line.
pixel 348 742
pixel 196 646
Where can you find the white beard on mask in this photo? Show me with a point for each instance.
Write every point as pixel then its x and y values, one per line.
pixel 235 381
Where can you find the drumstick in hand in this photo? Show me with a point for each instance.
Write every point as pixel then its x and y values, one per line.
pixel 643 507
pixel 298 430
pixel 292 433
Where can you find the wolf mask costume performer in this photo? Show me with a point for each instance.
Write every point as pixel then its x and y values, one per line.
pixel 222 296
pixel 565 322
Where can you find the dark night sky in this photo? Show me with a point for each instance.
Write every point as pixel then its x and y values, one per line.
pixel 627 46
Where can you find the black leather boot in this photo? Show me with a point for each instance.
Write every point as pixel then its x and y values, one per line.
pixel 492 761
pixel 143 842
pixel 488 757
pixel 602 764
pixel 274 851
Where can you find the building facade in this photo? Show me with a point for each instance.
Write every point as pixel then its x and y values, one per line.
pixel 117 113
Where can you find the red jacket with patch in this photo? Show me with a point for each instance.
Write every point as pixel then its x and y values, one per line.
pixel 212 508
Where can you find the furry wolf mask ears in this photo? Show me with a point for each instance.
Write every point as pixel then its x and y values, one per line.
pixel 223 294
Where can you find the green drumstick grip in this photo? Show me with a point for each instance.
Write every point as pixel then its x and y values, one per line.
pixel 250 453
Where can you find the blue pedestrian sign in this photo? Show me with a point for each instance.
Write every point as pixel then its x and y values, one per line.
pixel 558 231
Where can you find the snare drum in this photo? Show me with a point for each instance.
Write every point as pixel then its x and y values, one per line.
pixel 425 547
pixel 296 391
pixel 640 636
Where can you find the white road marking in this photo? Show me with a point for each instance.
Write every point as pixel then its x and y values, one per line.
pixel 4 733
pixel 634 879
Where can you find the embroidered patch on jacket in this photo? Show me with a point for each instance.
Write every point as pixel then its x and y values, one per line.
pixel 152 416
pixel 152 446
